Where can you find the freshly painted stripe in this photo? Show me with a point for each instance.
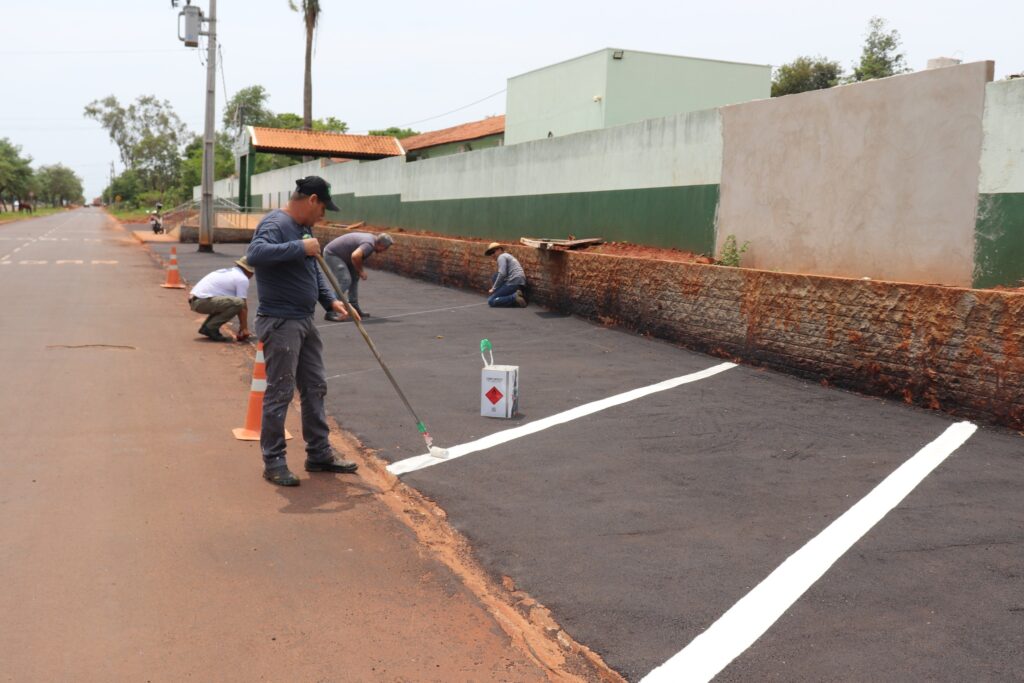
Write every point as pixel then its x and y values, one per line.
pixel 421 461
pixel 259 385
pixel 748 619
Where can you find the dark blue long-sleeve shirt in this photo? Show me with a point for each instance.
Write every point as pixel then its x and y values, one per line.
pixel 289 282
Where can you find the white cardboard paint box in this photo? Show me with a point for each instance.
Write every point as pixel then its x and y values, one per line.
pixel 499 390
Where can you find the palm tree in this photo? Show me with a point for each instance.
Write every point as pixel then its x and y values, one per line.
pixel 310 10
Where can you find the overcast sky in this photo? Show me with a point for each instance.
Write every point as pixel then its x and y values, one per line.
pixel 406 63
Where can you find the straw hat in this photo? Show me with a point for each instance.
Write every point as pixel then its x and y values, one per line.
pixel 244 265
pixel 491 247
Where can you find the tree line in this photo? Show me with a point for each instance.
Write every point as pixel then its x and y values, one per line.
pixel 163 160
pixel 880 57
pixel 55 184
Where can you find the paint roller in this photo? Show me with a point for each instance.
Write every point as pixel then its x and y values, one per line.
pixel 431 448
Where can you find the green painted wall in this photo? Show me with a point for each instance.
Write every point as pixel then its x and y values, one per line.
pixel 680 217
pixel 598 91
pixel 999 240
pixel 644 85
pixel 557 99
pixel 456 147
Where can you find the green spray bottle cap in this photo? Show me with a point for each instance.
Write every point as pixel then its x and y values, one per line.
pixel 485 346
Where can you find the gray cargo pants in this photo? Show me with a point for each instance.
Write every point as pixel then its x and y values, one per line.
pixel 293 353
pixel 346 276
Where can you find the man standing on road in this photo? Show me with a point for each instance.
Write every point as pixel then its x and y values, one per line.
pixel 222 295
pixel 345 256
pixel 509 282
pixel 290 284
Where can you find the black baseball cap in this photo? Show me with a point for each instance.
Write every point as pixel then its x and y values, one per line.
pixel 315 185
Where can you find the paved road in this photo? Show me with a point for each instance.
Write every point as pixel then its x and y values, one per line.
pixel 137 539
pixel 642 524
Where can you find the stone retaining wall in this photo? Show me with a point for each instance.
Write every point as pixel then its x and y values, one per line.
pixel 951 349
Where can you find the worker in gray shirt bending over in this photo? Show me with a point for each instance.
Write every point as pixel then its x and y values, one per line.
pixel 290 284
pixel 509 282
pixel 345 257
pixel 222 295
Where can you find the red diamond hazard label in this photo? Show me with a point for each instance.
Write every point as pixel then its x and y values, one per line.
pixel 493 395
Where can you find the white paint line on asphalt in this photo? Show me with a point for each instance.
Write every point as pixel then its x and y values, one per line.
pixel 748 619
pixel 406 315
pixel 420 462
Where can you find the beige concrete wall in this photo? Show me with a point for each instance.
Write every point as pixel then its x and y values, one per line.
pixel 877 179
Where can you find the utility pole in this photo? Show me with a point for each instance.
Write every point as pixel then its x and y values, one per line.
pixel 193 17
pixel 206 207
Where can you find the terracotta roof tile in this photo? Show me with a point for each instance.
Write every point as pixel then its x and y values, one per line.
pixel 317 143
pixel 467 131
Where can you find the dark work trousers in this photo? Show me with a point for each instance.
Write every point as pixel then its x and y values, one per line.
pixel 346 276
pixel 293 352
pixel 504 296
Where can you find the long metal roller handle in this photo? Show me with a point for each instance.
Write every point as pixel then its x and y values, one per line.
pixel 362 330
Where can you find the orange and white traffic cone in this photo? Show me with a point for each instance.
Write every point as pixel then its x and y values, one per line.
pixel 254 416
pixel 173 277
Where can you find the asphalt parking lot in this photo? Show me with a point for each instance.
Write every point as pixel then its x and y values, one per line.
pixel 641 523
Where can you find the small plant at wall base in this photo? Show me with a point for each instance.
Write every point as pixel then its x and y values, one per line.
pixel 731 253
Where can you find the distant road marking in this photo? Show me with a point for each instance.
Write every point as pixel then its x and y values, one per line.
pixel 102 262
pixel 29 262
pixel 422 461
pixel 748 619
pixel 70 260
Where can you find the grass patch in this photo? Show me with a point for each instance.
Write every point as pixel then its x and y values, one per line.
pixel 11 216
pixel 129 215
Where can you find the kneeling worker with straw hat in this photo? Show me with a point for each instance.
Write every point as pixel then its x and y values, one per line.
pixel 508 284
pixel 291 284
pixel 222 295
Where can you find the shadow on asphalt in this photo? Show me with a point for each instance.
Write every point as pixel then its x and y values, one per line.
pixel 324 493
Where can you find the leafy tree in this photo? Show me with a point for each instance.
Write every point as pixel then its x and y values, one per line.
pixel 804 74
pixel 310 10
pixel 330 124
pixel 396 132
pixel 880 57
pixel 15 173
pixel 148 134
pixel 248 107
pixel 191 170
pixel 295 122
pixel 57 184
pixel 127 186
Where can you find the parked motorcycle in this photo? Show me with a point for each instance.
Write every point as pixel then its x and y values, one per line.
pixel 156 221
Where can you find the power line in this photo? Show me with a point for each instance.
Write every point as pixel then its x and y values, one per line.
pixel 467 106
pixel 81 52
pixel 223 80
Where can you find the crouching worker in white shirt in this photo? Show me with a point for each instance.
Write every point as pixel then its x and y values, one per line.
pixel 222 295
